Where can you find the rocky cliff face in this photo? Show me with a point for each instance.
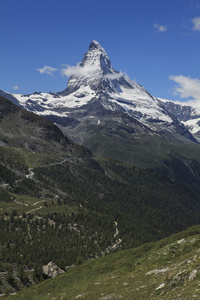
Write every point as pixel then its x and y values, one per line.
pixel 182 113
pixel 188 115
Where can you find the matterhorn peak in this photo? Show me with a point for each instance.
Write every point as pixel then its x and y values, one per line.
pixel 95 45
pixel 95 71
pixel 98 58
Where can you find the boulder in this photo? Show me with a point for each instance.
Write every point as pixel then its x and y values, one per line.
pixel 193 275
pixel 161 286
pixel 52 270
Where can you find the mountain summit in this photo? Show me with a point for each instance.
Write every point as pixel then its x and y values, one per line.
pixel 96 78
pixel 97 56
pixel 95 71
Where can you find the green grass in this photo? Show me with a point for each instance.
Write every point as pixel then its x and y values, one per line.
pixel 27 204
pixel 26 158
pixel 140 149
pixel 124 274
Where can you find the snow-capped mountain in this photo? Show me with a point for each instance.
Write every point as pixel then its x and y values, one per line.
pixel 187 113
pixel 115 117
pixel 95 94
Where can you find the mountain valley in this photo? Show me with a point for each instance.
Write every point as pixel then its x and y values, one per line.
pixel 99 168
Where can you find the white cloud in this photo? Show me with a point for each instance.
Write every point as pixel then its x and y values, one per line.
pixel 160 28
pixel 15 87
pixel 47 70
pixel 196 23
pixel 113 76
pixel 88 70
pixel 187 86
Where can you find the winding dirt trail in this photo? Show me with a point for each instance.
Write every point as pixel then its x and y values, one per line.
pixel 119 240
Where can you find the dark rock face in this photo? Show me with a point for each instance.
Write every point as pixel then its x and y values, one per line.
pixel 63 121
pixel 182 113
pixel 94 45
pixel 187 114
pixel 10 97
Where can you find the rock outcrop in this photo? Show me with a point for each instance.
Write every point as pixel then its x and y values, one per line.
pixel 52 270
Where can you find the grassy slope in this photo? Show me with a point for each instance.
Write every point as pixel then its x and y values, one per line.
pixel 125 274
pixel 165 155
pixel 25 158
pixel 138 148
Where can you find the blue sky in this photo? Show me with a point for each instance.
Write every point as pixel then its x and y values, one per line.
pixel 155 42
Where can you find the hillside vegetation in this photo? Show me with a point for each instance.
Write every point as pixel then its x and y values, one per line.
pixel 168 269
pixel 59 203
pixel 69 213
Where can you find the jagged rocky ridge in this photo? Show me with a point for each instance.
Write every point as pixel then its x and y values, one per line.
pixel 187 113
